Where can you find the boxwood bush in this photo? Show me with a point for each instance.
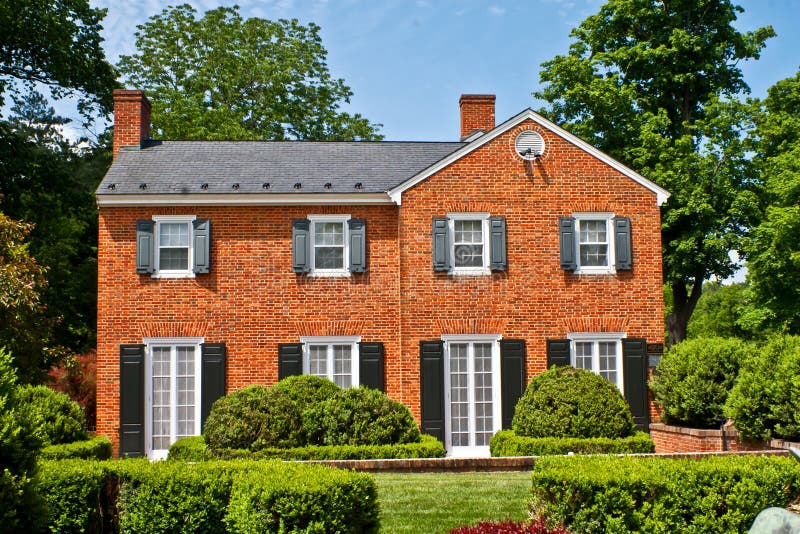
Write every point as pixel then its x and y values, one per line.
pixel 507 443
pixel 635 494
pixel 237 420
pixel 765 402
pixel 692 381
pixel 171 497
pixel 566 402
pixel 54 416
pixel 194 449
pixel 98 448
pixel 360 416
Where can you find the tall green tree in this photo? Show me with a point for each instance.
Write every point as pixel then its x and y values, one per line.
pixel 56 44
pixel 49 181
pixel 773 252
pixel 655 85
pixel 224 77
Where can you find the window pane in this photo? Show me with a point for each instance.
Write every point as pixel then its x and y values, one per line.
pixel 342 365
pixel 469 255
pixel 161 397
pixel 318 360
pixel 583 355
pixel 173 259
pixel 594 255
pixel 593 232
pixel 483 393
pixel 329 257
pixel 608 360
pixel 173 234
pixel 329 233
pixel 185 391
pixel 468 231
pixel 459 395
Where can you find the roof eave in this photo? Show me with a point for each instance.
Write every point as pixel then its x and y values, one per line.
pixel 243 199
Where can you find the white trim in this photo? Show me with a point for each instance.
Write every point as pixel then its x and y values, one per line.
pixel 396 192
pixel 149 342
pixel 473 451
pixel 353 341
pixel 173 273
pixel 469 216
pixel 249 199
pixel 594 338
pixel 337 218
pixel 610 235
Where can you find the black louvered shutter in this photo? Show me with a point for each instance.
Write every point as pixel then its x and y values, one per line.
pixel 512 376
pixel 622 243
pixel 290 360
pixel 431 385
pixel 212 376
pixel 497 241
pixel 441 245
pixel 566 240
pixel 145 247
pixel 358 245
pixel 370 365
pixel 202 246
pixel 301 245
pixel 558 352
pixel 634 373
pixel 131 400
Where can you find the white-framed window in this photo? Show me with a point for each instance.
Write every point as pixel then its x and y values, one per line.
pixel 599 352
pixel 334 358
pixel 472 393
pixel 329 245
pixel 172 392
pixel 469 238
pixel 594 242
pixel 174 246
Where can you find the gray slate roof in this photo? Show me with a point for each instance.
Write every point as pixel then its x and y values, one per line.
pixel 184 166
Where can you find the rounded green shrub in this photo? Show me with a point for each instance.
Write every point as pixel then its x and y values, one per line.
pixel 237 420
pixel 360 416
pixel 55 418
pixel 694 378
pixel 256 417
pixel 566 402
pixel 765 402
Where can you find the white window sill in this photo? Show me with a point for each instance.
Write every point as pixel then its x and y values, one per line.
pixel 595 270
pixel 182 274
pixel 329 274
pixel 461 271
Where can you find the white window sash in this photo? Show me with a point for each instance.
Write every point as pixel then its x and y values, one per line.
pixel 484 218
pixel 173 273
pixel 329 342
pixel 345 270
pixel 595 338
pixel 610 251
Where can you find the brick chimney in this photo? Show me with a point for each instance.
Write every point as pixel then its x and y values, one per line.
pixel 477 113
pixel 131 118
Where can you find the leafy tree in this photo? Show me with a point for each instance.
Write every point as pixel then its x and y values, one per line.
pixel 725 311
pixel 50 182
pixel 224 77
pixel 773 253
pixel 57 44
pixel 655 85
pixel 23 322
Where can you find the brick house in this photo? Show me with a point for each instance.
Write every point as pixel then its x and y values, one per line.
pixel 444 273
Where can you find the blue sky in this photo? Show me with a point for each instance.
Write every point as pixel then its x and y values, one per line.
pixel 408 61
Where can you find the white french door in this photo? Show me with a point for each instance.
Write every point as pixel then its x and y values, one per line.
pixel 173 395
pixel 472 393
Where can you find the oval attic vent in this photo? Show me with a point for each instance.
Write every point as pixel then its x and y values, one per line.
pixel 529 145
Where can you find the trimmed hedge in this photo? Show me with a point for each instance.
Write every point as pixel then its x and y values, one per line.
pixel 507 443
pixel 292 498
pixel 211 497
pixel 693 379
pixel 98 448
pixel 631 494
pixel 195 450
pixel 565 402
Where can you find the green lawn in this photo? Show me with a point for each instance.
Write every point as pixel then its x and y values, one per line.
pixel 439 502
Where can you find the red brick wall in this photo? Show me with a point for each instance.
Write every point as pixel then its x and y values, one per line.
pixel 252 300
pixel 477 113
pixel 669 439
pixel 534 300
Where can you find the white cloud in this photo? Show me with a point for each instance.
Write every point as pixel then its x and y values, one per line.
pixel 497 10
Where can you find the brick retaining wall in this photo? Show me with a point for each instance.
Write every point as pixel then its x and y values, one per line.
pixel 670 439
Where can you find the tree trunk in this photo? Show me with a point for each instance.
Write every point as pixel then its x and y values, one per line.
pixel 683 305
